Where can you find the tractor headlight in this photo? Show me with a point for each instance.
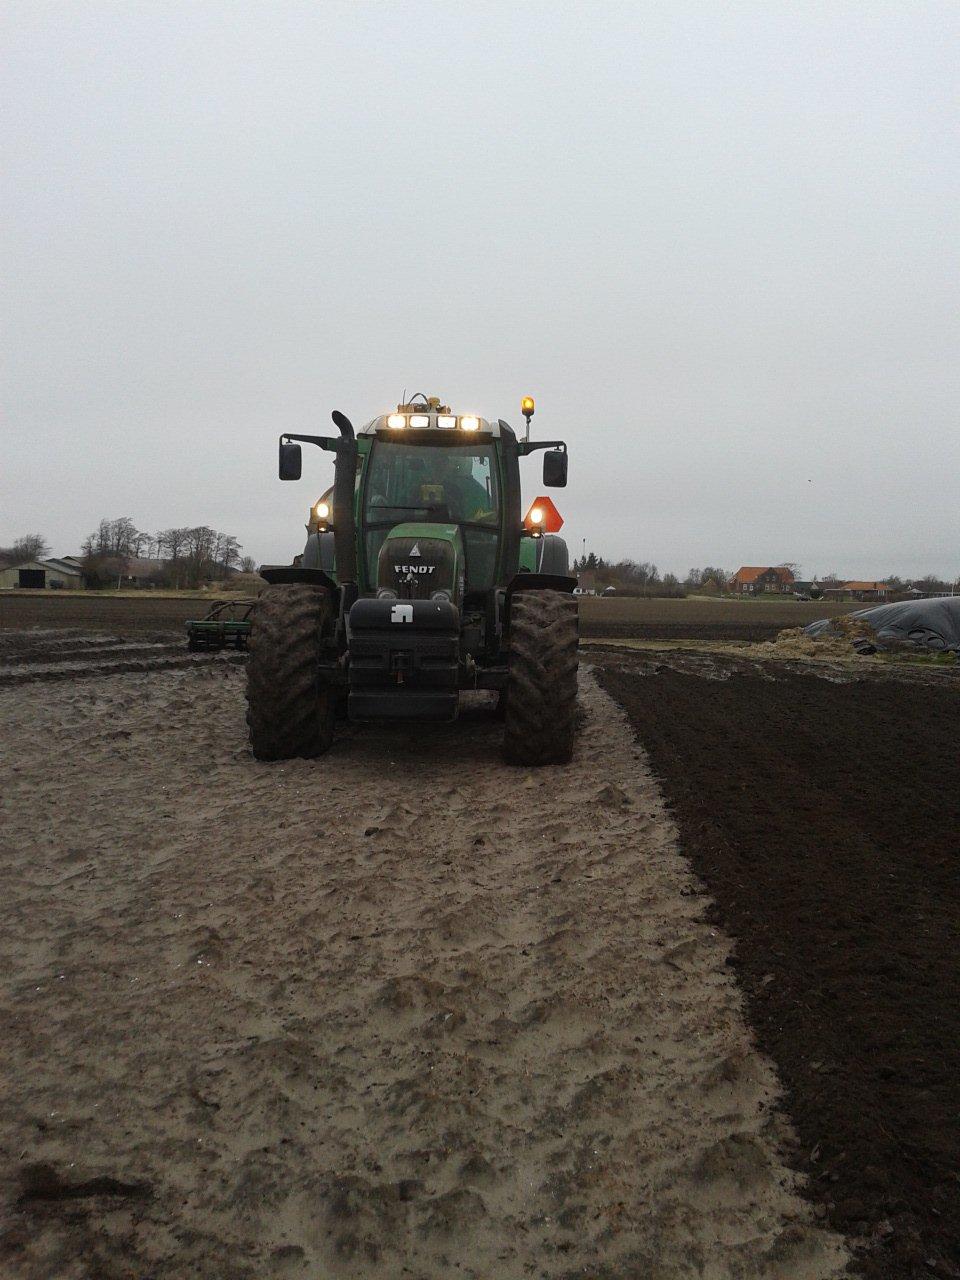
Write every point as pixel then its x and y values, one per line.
pixel 396 420
pixel 469 423
pixel 447 421
pixel 322 511
pixel 419 420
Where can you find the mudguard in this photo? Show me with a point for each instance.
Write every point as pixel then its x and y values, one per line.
pixel 540 582
pixel 282 575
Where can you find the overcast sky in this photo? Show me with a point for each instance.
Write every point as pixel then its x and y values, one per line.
pixel 717 241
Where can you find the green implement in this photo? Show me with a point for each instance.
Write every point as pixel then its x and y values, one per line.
pixel 225 626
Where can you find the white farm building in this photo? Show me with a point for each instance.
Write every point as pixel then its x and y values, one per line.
pixel 41 575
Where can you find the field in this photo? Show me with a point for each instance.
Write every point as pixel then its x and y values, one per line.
pixel 822 815
pixel 64 653
pixel 640 619
pixel 120 612
pixel 682 1008
pixel 699 619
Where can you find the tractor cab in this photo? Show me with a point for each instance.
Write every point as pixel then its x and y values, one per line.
pixel 429 505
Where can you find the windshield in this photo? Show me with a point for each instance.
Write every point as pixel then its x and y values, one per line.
pixel 456 484
pixel 451 483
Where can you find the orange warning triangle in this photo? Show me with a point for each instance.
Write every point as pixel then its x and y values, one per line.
pixel 552 521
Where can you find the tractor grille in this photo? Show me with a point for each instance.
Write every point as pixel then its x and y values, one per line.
pixel 416 567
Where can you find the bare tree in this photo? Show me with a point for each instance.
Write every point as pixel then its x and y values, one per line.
pixel 192 553
pixel 124 535
pixel 641 573
pixel 930 583
pixel 230 551
pixel 172 542
pixel 118 538
pixel 200 544
pixel 31 546
pixel 140 543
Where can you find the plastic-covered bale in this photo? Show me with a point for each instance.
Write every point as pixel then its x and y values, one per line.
pixel 924 624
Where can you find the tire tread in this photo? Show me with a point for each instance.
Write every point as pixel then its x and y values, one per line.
pixel 541 702
pixel 289 711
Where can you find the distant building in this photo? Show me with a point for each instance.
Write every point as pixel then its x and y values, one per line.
pixel 43 575
pixel 807 587
pixel 587 582
pixel 750 580
pixel 139 571
pixel 867 590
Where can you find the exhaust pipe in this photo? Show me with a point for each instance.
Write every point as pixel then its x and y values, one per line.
pixel 344 485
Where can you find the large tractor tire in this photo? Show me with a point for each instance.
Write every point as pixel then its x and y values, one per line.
pixel 540 703
pixel 289 711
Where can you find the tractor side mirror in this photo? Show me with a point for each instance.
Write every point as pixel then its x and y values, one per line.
pixel 291 460
pixel 555 468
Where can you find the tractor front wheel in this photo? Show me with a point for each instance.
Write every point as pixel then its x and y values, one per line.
pixel 541 695
pixel 289 711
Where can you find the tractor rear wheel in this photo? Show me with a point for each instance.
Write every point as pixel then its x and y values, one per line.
pixel 289 711
pixel 541 694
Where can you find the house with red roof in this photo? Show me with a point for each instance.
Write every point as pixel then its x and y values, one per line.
pixel 751 580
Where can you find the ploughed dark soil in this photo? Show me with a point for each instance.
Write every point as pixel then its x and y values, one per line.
pixel 753 630
pixel 94 611
pixel 824 818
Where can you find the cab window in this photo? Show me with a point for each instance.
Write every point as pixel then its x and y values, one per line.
pixel 455 483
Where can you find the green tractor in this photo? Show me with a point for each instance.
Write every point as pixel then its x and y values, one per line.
pixel 419 579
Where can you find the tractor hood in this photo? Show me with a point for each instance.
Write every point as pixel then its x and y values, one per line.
pixel 418 560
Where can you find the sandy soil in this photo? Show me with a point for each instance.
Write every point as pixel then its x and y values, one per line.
pixel 402 1012
pixel 70 654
